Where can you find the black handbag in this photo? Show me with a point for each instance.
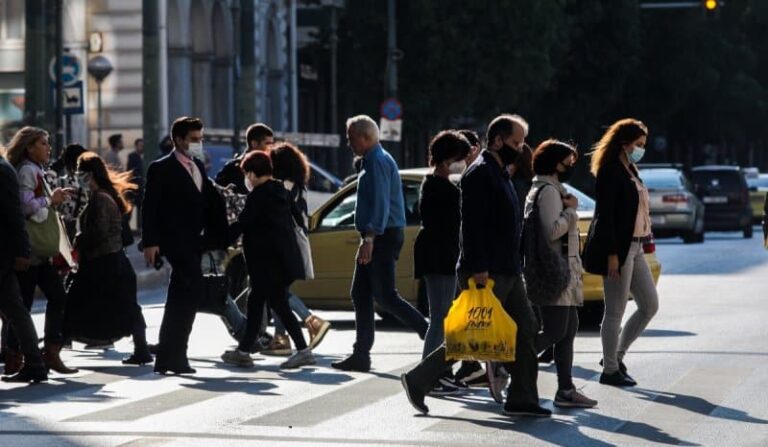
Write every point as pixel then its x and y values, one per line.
pixel 546 271
pixel 215 291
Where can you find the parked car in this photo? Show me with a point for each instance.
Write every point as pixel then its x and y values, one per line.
pixel 334 243
pixel 725 194
pixel 758 187
pixel 322 186
pixel 675 209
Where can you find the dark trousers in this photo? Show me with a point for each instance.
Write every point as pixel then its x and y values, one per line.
pixel 274 291
pixel 376 280
pixel 184 295
pixel 17 315
pixel 559 327
pixel 523 371
pixel 47 278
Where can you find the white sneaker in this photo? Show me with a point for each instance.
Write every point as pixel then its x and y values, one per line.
pixel 300 358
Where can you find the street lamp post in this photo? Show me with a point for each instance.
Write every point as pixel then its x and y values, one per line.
pixel 99 67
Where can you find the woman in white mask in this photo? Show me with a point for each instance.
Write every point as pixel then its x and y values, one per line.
pixel 437 245
pixel 614 246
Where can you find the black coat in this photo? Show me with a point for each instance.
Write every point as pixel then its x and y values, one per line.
pixel 613 224
pixel 231 174
pixel 437 245
pixel 177 216
pixel 15 242
pixel 491 220
pixel 269 238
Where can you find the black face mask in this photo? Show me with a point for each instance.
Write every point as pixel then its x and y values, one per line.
pixel 565 176
pixel 508 154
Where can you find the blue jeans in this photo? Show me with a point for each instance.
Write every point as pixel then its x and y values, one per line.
pixel 376 280
pixel 441 291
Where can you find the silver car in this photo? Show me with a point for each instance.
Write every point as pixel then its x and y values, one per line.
pixel 675 208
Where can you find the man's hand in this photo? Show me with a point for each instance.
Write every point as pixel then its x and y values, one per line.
pixel 570 201
pixel 21 264
pixel 150 255
pixel 364 252
pixel 481 279
pixel 58 196
pixel 613 266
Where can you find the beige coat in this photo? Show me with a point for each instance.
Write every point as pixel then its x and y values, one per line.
pixel 557 221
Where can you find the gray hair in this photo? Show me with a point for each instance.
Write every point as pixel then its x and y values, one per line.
pixel 363 125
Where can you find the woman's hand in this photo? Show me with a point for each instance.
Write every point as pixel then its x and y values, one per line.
pixel 570 201
pixel 58 196
pixel 613 267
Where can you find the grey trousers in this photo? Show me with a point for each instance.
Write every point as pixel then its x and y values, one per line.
pixel 524 370
pixel 441 291
pixel 635 277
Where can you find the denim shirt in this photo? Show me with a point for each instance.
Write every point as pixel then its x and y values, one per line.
pixel 379 194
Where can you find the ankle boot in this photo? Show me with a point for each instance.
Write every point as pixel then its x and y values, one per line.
pixel 14 361
pixel 317 328
pixel 53 360
pixel 29 373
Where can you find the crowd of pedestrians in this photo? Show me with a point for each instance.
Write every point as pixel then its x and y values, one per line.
pixel 474 206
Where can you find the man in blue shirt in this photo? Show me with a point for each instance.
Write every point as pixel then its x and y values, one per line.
pixel 380 219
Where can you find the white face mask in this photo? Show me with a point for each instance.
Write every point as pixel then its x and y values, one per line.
pixel 248 183
pixel 457 167
pixel 196 150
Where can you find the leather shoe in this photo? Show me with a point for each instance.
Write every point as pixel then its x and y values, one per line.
pixel 617 379
pixel 353 363
pixel 140 359
pixel 176 369
pixel 28 373
pixel 415 397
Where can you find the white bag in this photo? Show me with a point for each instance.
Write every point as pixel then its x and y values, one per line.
pixel 306 251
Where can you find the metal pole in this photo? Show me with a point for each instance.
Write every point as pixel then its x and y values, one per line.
pixel 334 85
pixel 98 100
pixel 235 77
pixel 35 63
pixel 294 72
pixel 151 76
pixel 59 143
pixel 391 49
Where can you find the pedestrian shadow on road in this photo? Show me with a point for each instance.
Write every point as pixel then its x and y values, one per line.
pixel 695 404
pixel 247 385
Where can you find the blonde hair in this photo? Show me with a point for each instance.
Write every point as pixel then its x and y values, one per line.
pixel 611 144
pixel 16 151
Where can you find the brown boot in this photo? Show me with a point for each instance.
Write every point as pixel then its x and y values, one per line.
pixel 317 328
pixel 14 361
pixel 53 361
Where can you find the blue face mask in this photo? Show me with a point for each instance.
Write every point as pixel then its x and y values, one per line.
pixel 637 154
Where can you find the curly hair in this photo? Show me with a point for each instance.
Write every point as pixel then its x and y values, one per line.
pixel 116 184
pixel 290 163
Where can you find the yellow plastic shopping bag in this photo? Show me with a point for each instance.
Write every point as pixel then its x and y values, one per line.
pixel 478 328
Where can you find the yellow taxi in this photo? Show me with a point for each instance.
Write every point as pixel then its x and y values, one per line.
pixel 334 242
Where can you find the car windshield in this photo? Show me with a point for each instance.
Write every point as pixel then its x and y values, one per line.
pixel 661 179
pixel 586 203
pixel 723 180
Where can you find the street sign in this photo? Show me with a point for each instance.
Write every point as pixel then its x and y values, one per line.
pixel 392 109
pixel 72 98
pixel 390 130
pixel 70 69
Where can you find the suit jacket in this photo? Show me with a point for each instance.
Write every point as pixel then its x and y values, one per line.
pixel 14 234
pixel 176 216
pixel 613 223
pixel 231 174
pixel 269 238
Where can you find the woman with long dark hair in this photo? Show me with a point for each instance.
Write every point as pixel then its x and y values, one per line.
pixel 29 152
pixel 614 246
pixel 291 166
pixel 102 299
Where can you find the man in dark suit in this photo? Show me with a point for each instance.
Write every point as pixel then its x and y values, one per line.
pixel 14 256
pixel 182 216
pixel 136 167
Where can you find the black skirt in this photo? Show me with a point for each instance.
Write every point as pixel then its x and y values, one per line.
pixel 101 300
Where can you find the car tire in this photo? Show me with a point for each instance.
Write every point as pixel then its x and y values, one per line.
pixel 748 232
pixel 693 238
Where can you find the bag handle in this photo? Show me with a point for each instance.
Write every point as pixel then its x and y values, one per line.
pixel 475 286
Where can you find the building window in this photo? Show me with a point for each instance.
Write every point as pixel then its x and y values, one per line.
pixel 11 19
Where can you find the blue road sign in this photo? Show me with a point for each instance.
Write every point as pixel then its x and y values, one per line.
pixel 72 98
pixel 392 109
pixel 70 69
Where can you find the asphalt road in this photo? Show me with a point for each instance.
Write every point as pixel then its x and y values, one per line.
pixel 702 368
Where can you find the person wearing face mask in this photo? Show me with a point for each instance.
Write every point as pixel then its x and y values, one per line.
pixel 436 249
pixel 553 163
pixel 101 300
pixel 182 216
pixel 490 249
pixel 29 152
pixel 272 256
pixel 614 246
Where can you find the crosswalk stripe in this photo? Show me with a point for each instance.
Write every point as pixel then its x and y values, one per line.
pixel 336 403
